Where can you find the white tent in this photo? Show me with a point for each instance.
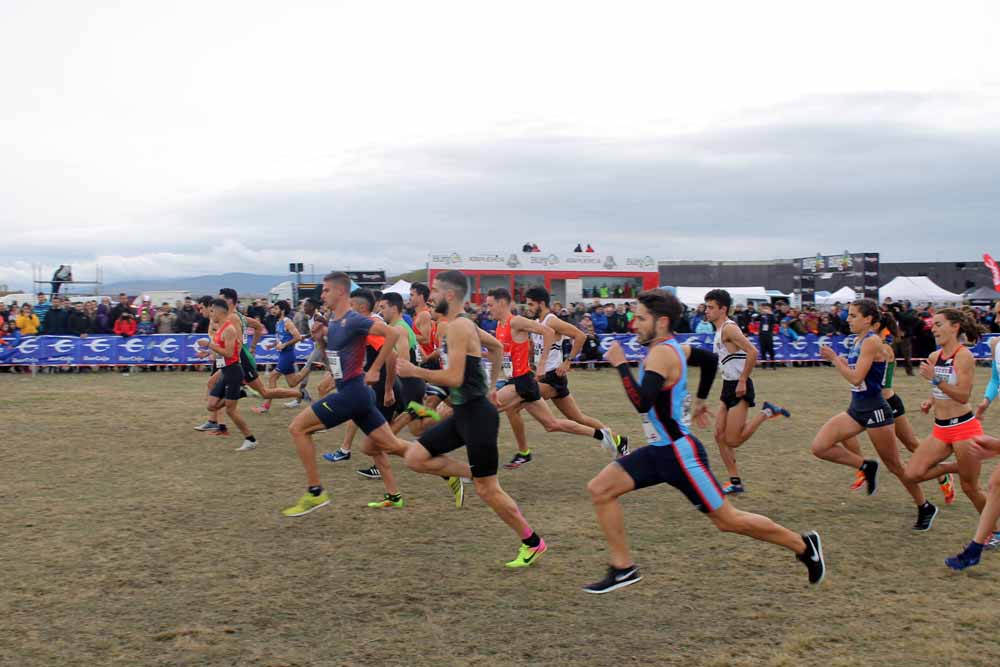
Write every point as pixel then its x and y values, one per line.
pixel 692 297
pixel 843 295
pixel 917 289
pixel 400 287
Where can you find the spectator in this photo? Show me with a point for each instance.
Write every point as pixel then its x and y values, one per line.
pixel 300 319
pixel 78 322
pixel 41 307
pixel 797 324
pixel 617 321
pixel 827 326
pixel 259 312
pixel 146 325
pixel 56 322
pixel 705 327
pixel 146 306
pixel 786 329
pixel 591 347
pixel 600 321
pixel 5 314
pixel 697 317
pixel 166 321
pixel 485 321
pixel 27 322
pixel 62 275
pixel 186 317
pixel 121 307
pixel 270 320
pixel 579 310
pixel 201 322
pixel 10 338
pixel 589 249
pixel 535 248
pixel 578 248
pixel 125 325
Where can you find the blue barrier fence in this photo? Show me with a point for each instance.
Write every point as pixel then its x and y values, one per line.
pixel 182 349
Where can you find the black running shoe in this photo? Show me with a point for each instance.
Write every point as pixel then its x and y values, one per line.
pixel 812 558
pixel 623 448
pixel 614 580
pixel 518 461
pixel 870 469
pixel 370 473
pixel 925 517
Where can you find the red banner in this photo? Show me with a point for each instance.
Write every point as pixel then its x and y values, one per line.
pixel 994 270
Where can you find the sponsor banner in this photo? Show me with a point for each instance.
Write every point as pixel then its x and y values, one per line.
pixel 541 261
pixel 182 349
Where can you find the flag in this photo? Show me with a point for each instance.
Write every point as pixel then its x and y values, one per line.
pixel 994 270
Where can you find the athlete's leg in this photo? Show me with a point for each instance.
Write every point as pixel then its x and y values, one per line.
pixel 517 426
pixel 990 513
pixel 827 443
pixel 381 460
pixel 418 459
pixel 301 429
pixel 325 385
pixel 349 433
pixel 605 489
pixel 488 488
pixel 884 440
pixel 852 445
pixel 738 429
pixel 904 431
pixel 540 411
pixel 272 383
pixel 731 520
pixel 570 410
pixel 925 463
pixel 970 464
pixel 727 455
pixel 266 392
pixel 232 409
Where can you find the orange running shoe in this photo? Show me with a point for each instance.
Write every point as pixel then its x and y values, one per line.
pixel 948 489
pixel 859 481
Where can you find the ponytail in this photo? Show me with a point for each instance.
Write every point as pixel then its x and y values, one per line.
pixel 967 325
pixel 888 323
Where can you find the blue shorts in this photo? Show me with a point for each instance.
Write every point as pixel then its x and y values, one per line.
pixel 353 401
pixel 682 465
pixel 286 362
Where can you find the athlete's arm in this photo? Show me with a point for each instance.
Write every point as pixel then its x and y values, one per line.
pixel 391 335
pixel 564 328
pixel 869 349
pixel 294 330
pixel 993 388
pixel 459 334
pixel 523 324
pixel 735 336
pixel 423 323
pixel 494 349
pixel 228 347
pixel 258 331
pixel 965 368
pixel 662 365
pixel 708 362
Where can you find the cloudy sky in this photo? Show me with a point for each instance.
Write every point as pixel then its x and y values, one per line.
pixel 182 138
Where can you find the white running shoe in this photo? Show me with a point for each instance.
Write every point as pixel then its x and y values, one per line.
pixel 608 442
pixel 293 403
pixel 246 446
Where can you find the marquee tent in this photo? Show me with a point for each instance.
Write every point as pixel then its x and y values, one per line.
pixel 692 297
pixel 843 295
pixel 917 289
pixel 400 287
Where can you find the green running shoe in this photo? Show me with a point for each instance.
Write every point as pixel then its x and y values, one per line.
pixel 308 503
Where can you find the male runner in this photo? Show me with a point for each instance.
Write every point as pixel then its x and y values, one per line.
pixel 518 386
pixel 316 326
pixel 412 390
pixel 737 357
pixel 286 335
pixel 354 400
pixel 674 456
pixel 475 422
pixel 226 391
pixel 554 383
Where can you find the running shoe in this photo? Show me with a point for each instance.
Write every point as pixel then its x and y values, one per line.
pixel 306 398
pixel 387 502
pixel 339 455
pixel 812 557
pixel 608 442
pixel 622 445
pixel 247 446
pixel 308 503
pixel 370 473
pixel 518 460
pixel 948 489
pixel 222 430
pixel 969 557
pixel 992 542
pixel 251 391
pixel 421 411
pixel 776 410
pixel 293 403
pixel 207 427
pixel 527 555
pixel 733 489
pixel 259 409
pixel 859 481
pixel 870 470
pixel 458 489
pixel 614 580
pixel 925 517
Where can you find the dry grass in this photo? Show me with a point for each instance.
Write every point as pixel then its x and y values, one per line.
pixel 129 539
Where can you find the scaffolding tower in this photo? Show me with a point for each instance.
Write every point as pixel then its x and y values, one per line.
pixel 66 287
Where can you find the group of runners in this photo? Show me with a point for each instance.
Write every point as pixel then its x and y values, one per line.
pixel 444 381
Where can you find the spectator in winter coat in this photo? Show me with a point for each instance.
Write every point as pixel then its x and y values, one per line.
pixel 166 321
pixel 617 320
pixel 27 322
pixel 121 307
pixel 186 317
pixel 56 322
pixel 146 326
pixel 41 307
pixel 79 322
pixel 600 321
pixel 125 325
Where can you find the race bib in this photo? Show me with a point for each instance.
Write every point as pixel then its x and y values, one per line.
pixel 686 411
pixel 507 367
pixel 220 362
pixel 858 387
pixel 335 368
pixel 652 435
pixel 444 359
pixel 419 354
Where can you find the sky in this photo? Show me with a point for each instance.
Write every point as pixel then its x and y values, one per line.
pixel 187 138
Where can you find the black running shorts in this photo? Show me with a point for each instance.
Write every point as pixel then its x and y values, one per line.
pixel 527 388
pixel 249 368
pixel 896 403
pixel 558 382
pixel 229 385
pixel 875 417
pixel 729 397
pixel 472 425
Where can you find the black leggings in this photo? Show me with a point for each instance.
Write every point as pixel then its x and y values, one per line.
pixel 766 347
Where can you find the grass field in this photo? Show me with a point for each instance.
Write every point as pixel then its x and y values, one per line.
pixel 130 539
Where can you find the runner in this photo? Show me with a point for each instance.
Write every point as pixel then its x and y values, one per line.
pixel 317 331
pixel 285 338
pixel 475 422
pixel 554 383
pixel 901 426
pixel 354 399
pixel 987 536
pixel 412 390
pixel 226 391
pixel 737 357
pixel 214 424
pixel 674 456
pixel 951 371
pixel 865 371
pixel 518 386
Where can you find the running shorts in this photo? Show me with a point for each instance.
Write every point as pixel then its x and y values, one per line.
pixel 558 382
pixel 950 431
pixel 875 417
pixel 475 426
pixel 353 401
pixel 229 385
pixel 683 465
pixel 729 397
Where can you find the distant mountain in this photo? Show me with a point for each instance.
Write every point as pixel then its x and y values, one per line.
pixel 250 284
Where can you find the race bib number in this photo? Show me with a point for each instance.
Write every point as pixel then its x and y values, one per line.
pixel 444 359
pixel 419 354
pixel 858 387
pixel 507 367
pixel 686 411
pixel 220 362
pixel 335 368
pixel 652 435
